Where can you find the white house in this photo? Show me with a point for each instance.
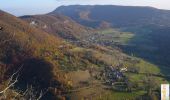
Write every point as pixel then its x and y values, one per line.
pixel 123 69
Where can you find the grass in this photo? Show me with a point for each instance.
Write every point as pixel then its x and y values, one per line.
pixel 107 31
pixel 78 49
pixel 125 37
pixel 146 67
pixel 135 77
pixel 142 66
pixel 121 95
pixel 118 37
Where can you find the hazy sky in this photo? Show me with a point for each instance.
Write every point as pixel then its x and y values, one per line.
pixel 27 7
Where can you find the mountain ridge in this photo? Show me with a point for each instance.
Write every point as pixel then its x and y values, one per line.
pixel 116 15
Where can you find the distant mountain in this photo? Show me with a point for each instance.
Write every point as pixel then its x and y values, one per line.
pixel 117 16
pixel 58 25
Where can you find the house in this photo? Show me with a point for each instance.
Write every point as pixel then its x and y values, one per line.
pixel 33 23
pixel 123 69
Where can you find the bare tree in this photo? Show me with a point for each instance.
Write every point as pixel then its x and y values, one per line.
pixel 29 94
pixel 12 81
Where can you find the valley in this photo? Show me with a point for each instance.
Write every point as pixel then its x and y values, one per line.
pixel 71 56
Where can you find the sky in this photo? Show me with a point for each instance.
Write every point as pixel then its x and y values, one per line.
pixel 31 7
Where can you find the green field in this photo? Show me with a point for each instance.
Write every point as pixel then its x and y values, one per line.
pixel 116 36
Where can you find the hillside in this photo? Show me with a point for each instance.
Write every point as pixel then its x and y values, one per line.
pixel 117 16
pixel 23 45
pixel 58 25
pixel 42 66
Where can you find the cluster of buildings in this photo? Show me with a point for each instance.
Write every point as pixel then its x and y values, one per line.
pixel 112 75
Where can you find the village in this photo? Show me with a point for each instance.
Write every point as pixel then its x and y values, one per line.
pixel 111 75
pixel 113 78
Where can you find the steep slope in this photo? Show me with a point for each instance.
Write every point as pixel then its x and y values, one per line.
pixel 58 25
pixel 43 59
pixel 117 16
pixel 25 47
